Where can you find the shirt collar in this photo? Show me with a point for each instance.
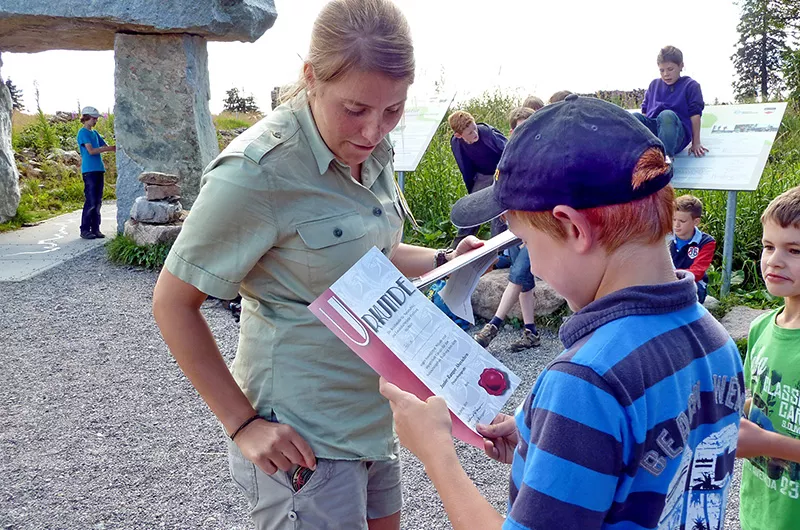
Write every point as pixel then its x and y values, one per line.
pixel 380 157
pixel 696 237
pixel 638 300
pixel 302 111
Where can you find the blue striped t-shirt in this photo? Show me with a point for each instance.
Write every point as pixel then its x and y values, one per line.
pixel 635 424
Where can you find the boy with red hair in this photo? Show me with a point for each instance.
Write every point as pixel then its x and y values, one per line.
pixel 638 417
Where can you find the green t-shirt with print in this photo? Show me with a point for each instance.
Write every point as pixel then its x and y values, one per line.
pixel 770 492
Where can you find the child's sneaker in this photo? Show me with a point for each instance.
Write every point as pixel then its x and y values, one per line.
pixel 529 340
pixel 485 336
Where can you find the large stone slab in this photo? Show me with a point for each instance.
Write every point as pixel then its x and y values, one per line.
pixel 737 320
pixel 9 177
pixel 147 234
pixel 487 294
pixel 158 179
pixel 37 25
pixel 162 121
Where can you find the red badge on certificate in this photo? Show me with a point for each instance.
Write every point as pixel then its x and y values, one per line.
pixel 494 381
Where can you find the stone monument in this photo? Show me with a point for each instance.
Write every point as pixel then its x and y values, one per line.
pixel 9 178
pixel 162 121
pixel 156 217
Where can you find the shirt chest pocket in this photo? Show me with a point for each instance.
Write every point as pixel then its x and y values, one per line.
pixel 330 246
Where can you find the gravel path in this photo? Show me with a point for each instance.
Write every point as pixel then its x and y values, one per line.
pixel 100 430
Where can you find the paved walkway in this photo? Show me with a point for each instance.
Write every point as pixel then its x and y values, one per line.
pixel 26 252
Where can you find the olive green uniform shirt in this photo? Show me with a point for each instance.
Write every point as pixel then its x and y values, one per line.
pixel 279 219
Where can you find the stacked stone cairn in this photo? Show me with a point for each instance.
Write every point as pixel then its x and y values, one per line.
pixel 158 216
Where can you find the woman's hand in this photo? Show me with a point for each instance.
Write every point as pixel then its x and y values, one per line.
pixel 273 446
pixel 467 244
pixel 500 438
pixel 424 427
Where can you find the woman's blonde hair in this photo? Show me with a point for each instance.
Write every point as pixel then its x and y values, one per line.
pixel 365 35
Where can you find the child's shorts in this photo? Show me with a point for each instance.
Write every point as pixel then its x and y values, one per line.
pixel 520 272
pixel 338 494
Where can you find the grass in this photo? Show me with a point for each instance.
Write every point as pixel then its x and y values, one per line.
pixel 122 250
pixel 234 120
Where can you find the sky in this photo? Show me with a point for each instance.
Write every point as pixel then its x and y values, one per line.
pixel 522 46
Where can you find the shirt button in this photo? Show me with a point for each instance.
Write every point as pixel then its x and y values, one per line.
pixel 377 212
pixel 337 232
pixel 277 135
pixel 292 516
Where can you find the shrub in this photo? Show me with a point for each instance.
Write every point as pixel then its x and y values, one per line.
pixel 124 251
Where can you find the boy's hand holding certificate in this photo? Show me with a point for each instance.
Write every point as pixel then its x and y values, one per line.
pixel 387 322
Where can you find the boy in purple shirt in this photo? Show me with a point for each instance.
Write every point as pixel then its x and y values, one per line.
pixel 673 105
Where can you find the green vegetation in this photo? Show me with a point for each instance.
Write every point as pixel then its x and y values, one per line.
pixel 124 251
pixel 234 120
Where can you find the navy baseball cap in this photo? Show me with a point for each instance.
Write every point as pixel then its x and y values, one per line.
pixel 580 152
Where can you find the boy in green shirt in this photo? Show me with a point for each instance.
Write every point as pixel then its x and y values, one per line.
pixel 770 438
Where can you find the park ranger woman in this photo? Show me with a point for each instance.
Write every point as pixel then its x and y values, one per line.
pixel 284 211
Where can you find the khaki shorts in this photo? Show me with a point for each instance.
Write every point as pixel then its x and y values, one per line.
pixel 339 494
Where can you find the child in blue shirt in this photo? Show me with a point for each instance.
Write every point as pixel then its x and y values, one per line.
pixel 673 106
pixel 92 145
pixel 635 424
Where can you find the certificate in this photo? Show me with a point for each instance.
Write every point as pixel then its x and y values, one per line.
pixel 404 337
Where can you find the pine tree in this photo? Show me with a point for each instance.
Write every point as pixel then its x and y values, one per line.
pixel 234 102
pixel 16 95
pixel 765 29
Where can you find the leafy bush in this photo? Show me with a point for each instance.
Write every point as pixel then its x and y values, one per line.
pixel 124 251
pixel 741 345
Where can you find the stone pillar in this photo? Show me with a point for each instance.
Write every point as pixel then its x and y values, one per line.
pixel 161 117
pixel 9 177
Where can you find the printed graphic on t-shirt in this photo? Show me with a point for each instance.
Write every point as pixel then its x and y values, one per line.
pixel 698 492
pixel 775 404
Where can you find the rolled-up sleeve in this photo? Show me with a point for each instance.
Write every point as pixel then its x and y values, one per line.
pixel 230 227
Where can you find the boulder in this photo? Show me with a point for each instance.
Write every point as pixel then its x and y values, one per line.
pixel 9 177
pixel 69 158
pixel 30 26
pixel 154 192
pixel 487 294
pixel 737 320
pixel 155 212
pixel 162 120
pixel 158 179
pixel 148 234
pixel 711 303
pixel 63 117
